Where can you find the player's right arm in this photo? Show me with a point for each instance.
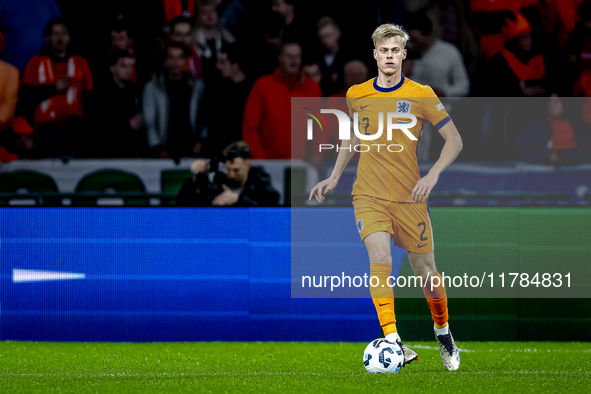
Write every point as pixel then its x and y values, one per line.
pixel 346 152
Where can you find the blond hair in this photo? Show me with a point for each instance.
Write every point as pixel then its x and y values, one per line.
pixel 389 30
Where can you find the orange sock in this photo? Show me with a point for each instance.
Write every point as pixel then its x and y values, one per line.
pixel 383 296
pixel 437 300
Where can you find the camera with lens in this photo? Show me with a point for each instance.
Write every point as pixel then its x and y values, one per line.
pixel 211 181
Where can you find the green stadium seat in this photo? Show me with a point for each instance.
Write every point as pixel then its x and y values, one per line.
pixel 124 185
pixel 294 187
pixel 29 183
pixel 170 184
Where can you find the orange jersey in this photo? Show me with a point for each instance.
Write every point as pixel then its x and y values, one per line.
pixel 388 168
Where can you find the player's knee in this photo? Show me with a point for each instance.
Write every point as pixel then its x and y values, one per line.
pixel 380 257
pixel 423 272
pixel 424 268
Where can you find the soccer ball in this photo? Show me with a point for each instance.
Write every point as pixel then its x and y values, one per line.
pixel 383 356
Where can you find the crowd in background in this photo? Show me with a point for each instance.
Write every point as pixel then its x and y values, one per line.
pixel 185 78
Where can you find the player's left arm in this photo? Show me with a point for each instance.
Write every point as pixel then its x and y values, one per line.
pixel 451 149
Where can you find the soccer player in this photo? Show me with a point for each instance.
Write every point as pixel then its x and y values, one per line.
pixel 389 196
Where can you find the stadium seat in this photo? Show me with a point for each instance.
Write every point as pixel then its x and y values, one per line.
pixel 127 189
pixel 30 184
pixel 294 187
pixel 170 185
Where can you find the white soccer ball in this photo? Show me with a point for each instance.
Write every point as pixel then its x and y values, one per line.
pixel 383 356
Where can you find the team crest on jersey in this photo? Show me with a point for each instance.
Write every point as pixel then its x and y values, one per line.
pixel 360 225
pixel 403 106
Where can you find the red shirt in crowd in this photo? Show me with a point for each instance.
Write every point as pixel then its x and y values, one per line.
pixel 174 8
pixel 266 125
pixel 43 71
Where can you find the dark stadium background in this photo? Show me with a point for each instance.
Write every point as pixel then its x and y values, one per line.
pixel 156 272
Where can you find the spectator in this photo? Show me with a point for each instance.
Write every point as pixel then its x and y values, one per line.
pixel 19 137
pixel 570 139
pixel 333 58
pixel 312 71
pixel 223 103
pixel 559 17
pixel 295 29
pixel 232 14
pixel 210 36
pixel 120 38
pixel 241 185
pixel 175 8
pixel 268 108
pixel 55 90
pixel 117 111
pixel 577 59
pixel 519 69
pixel 355 72
pixel 441 65
pixel 487 18
pixel 266 49
pixel 408 65
pixel 451 25
pixel 143 20
pixel 556 139
pixel 182 30
pixel 170 105
pixel 122 41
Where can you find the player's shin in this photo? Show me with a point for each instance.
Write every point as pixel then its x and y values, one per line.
pixel 383 296
pixel 434 291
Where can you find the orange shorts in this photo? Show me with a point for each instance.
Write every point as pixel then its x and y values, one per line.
pixel 409 224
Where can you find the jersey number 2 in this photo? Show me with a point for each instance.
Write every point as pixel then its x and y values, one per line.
pixel 366 125
pixel 422 224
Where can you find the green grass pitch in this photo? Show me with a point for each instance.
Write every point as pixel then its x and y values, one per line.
pixel 216 367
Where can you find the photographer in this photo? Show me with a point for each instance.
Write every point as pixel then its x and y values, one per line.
pixel 241 185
